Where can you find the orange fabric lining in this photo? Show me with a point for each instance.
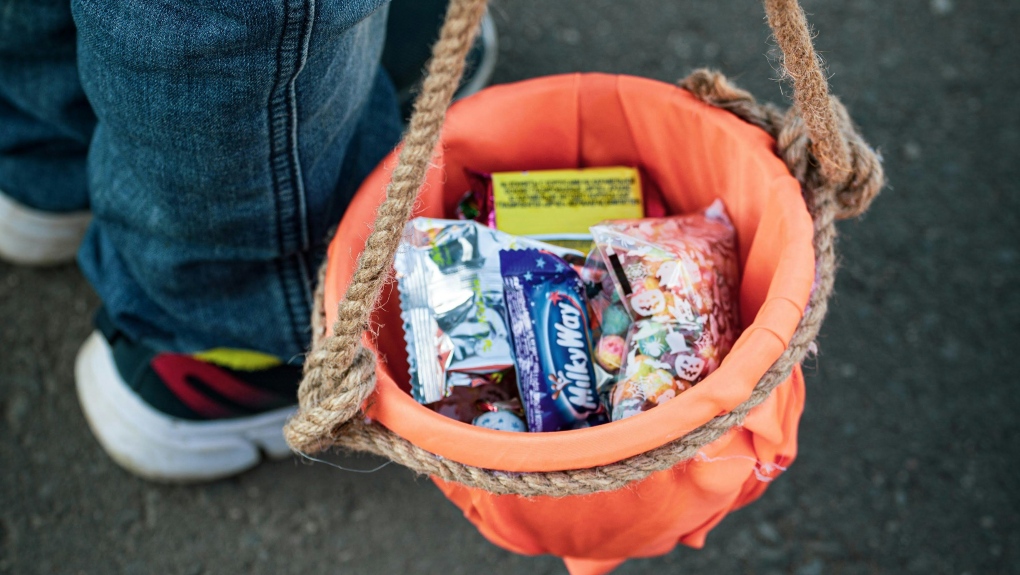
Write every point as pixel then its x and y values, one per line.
pixel 692 153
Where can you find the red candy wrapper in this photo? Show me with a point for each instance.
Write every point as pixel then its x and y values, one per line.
pixel 482 394
pixel 677 277
pixel 478 203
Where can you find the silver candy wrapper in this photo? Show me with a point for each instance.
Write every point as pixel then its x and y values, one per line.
pixel 451 301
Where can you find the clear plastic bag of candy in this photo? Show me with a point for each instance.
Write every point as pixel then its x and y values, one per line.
pixel 677 277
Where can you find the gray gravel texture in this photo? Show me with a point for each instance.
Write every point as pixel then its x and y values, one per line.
pixel 911 427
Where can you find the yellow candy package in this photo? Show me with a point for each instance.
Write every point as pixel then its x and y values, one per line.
pixel 553 205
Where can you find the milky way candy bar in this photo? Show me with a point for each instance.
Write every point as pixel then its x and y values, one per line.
pixel 548 316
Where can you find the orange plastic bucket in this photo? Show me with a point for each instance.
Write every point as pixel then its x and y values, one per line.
pixel 689 153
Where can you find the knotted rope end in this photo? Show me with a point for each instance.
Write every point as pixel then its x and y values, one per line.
pixel 329 397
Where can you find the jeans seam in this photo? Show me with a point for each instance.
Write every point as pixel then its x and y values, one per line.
pixel 285 165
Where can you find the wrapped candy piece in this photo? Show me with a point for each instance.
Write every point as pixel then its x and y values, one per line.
pixel 468 400
pixel 615 320
pixel 477 203
pixel 451 300
pixel 548 315
pixel 500 421
pixel 609 352
pixel 502 416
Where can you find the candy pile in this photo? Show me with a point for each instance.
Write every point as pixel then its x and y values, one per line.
pixel 514 334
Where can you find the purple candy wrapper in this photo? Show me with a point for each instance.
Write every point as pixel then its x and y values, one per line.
pixel 547 310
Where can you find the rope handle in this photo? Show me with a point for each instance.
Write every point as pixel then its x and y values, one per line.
pixel 340 372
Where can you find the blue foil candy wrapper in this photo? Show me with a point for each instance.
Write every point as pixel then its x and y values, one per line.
pixel 548 315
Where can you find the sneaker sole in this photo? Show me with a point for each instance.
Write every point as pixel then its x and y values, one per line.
pixel 158 447
pixel 37 238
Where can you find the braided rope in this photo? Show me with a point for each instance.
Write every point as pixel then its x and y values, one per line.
pixel 846 161
pixel 339 373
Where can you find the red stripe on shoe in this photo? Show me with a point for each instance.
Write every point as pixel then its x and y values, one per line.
pixel 174 375
pixel 175 369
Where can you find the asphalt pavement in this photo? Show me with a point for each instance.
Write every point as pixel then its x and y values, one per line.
pixel 911 428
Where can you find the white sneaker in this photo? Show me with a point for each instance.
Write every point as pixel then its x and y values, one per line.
pixel 179 418
pixel 37 238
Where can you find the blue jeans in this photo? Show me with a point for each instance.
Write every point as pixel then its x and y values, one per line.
pixel 229 136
